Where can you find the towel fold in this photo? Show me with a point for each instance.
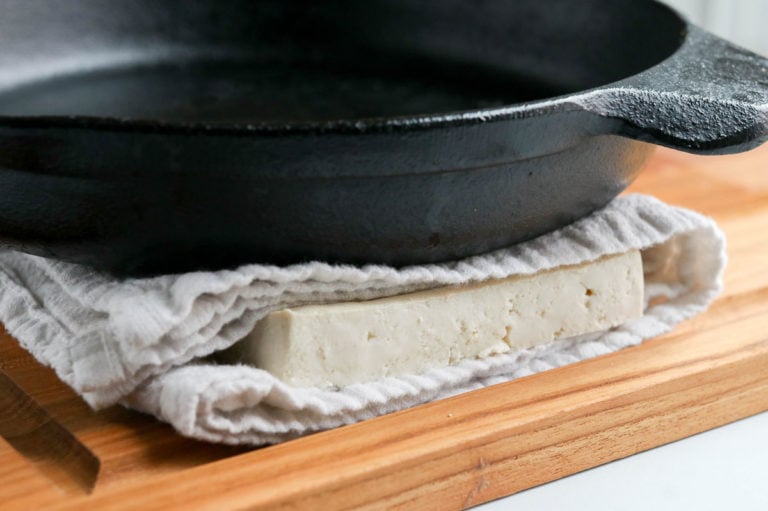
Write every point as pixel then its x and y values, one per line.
pixel 143 342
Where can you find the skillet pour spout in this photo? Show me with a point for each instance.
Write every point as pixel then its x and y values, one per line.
pixel 143 137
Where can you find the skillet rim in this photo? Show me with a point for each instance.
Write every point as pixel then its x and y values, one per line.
pixel 378 124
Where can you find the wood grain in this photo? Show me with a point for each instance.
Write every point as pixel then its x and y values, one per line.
pixel 471 448
pixel 32 432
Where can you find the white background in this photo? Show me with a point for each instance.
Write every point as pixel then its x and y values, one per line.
pixel 741 21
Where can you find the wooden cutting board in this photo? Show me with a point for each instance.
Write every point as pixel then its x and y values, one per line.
pixel 450 454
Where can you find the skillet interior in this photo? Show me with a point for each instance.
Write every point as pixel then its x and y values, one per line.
pixel 242 62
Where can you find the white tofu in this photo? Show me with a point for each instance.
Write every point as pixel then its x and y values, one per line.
pixel 344 343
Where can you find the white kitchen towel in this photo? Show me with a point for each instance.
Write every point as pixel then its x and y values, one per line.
pixel 143 342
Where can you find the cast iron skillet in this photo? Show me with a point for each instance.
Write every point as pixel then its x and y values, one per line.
pixel 140 136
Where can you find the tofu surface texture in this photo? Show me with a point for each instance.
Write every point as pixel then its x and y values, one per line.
pixel 345 343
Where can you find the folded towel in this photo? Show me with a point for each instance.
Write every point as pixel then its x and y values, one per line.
pixel 143 342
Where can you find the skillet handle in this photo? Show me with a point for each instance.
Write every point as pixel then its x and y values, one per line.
pixel 709 97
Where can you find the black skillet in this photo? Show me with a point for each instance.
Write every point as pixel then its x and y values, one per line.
pixel 141 136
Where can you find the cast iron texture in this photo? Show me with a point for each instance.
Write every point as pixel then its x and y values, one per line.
pixel 142 137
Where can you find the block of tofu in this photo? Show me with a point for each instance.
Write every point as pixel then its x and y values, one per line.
pixel 344 343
